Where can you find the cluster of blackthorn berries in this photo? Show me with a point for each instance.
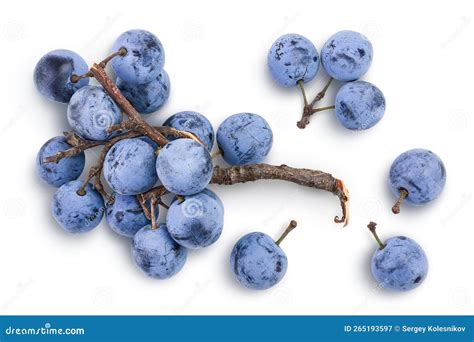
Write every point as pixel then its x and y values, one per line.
pixel 184 167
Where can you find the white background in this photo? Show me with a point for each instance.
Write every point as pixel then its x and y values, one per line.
pixel 216 58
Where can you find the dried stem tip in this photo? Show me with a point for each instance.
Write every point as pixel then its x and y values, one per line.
pixel 403 195
pixel 292 225
pixel 372 226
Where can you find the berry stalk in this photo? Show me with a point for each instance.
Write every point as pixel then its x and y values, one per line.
pixel 292 225
pixel 308 109
pixel 372 227
pixel 396 207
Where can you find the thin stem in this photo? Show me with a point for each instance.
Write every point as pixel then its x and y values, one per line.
pixel 292 225
pixel 82 190
pixel 142 201
pixel 121 52
pixel 109 199
pixel 152 212
pixel 301 85
pixel 320 109
pixel 319 96
pixel 372 226
pixel 95 172
pixel 308 109
pixel 403 194
pixel 156 194
pixel 76 78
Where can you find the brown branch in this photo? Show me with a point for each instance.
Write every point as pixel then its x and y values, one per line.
pixel 78 145
pixel 154 196
pixel 158 192
pixel 310 178
pixel 123 126
pixel 142 201
pixel 140 125
pixel 166 131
